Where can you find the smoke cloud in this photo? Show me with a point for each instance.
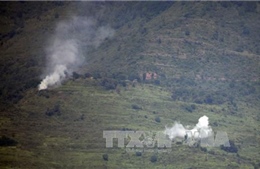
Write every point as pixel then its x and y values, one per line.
pixel 201 130
pixel 65 50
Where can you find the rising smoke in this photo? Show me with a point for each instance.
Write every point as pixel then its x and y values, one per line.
pixel 64 53
pixel 201 130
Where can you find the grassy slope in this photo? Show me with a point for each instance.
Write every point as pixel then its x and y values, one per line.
pixel 68 141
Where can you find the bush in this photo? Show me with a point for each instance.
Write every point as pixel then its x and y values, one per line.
pixel 204 149
pixel 190 108
pixel 136 107
pixel 87 75
pixel 157 119
pixel 153 159
pixel 105 157
pixel 232 149
pixel 134 76
pixel 119 76
pixel 5 141
pixel 157 82
pixel 138 153
pixel 96 75
pixel 75 75
pixel 209 100
pixel 109 84
pixel 53 111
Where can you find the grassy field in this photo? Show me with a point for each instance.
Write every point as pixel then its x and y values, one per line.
pixel 74 139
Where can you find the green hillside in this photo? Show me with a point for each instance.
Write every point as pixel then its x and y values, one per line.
pixel 166 62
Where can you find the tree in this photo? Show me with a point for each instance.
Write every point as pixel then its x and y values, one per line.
pixel 231 149
pixel 153 159
pixel 105 157
pixel 157 119
pixel 138 153
pixel 87 75
pixel 75 75
pixel 6 141
pixel 136 107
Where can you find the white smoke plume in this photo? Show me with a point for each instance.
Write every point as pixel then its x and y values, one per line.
pixel 201 130
pixel 65 51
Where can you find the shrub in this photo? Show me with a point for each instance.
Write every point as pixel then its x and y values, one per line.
pixel 231 149
pixel 136 107
pixel 144 76
pixel 209 99
pixel 105 157
pixel 109 84
pixel 5 141
pixel 138 153
pixel 54 110
pixel 153 159
pixel 204 149
pixel 134 76
pixel 75 75
pixel 157 119
pixel 96 75
pixel 87 75
pixel 157 82
pixel 190 108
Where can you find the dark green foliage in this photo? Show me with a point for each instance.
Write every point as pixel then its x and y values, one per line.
pixel 190 108
pixel 136 107
pixel 53 111
pixel 119 76
pixel 109 84
pixel 134 76
pixel 227 92
pixel 153 158
pixel 105 157
pixel 44 93
pixel 232 149
pixel 75 75
pixel 96 75
pixel 138 153
pixel 144 76
pixel 157 82
pixel 157 119
pixel 204 149
pixel 87 75
pixel 208 99
pixel 6 141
